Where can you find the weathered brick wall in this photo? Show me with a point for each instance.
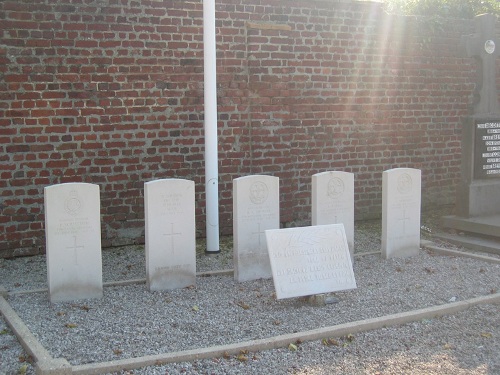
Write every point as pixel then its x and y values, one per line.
pixel 111 92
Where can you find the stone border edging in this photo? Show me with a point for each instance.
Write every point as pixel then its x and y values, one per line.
pixel 47 365
pixel 284 340
pixel 449 252
pixel 225 272
pixel 28 341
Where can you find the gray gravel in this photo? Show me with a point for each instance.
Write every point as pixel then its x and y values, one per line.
pixel 131 321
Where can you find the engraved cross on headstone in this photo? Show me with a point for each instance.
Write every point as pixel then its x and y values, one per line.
pixel 484 46
pixel 404 219
pixel 75 248
pixel 171 235
pixel 259 233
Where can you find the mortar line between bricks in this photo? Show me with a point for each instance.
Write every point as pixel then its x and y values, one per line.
pixel 284 340
pixel 28 341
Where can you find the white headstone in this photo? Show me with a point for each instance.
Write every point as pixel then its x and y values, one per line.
pixel 170 234
pixel 73 241
pixel 310 260
pixel 255 209
pixel 401 194
pixel 333 202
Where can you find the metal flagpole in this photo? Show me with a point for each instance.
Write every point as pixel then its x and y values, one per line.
pixel 211 151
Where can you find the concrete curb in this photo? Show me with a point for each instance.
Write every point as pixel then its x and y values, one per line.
pixel 46 365
pixel 58 366
pixel 5 293
pixel 284 340
pixel 449 252
pixel 28 341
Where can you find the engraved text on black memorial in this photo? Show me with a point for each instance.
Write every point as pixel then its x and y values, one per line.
pixel 487 150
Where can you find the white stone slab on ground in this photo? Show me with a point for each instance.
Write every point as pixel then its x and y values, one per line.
pixel 73 241
pixel 255 209
pixel 333 202
pixel 310 260
pixel 170 235
pixel 401 197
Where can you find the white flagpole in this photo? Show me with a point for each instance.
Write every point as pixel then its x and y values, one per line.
pixel 211 150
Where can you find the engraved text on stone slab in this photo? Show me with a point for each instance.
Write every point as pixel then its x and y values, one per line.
pixel 310 260
pixel 487 150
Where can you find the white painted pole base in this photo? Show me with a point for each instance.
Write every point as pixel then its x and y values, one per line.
pixel 211 145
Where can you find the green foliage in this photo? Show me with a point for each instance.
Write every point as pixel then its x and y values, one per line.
pixel 443 8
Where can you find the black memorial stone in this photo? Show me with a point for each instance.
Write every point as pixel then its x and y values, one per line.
pixel 486 149
pixel 478 192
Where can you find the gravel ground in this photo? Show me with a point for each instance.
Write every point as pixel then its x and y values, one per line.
pixel 130 321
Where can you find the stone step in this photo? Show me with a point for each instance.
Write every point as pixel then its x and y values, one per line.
pixel 487 245
pixel 482 225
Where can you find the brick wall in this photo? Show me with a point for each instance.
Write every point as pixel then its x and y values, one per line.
pixel 111 92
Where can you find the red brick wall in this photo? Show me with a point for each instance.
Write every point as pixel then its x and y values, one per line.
pixel 111 92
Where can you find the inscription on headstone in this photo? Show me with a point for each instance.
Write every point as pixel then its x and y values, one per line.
pixel 255 209
pixel 487 150
pixel 170 234
pixel 310 260
pixel 333 202
pixel 401 197
pixel 73 240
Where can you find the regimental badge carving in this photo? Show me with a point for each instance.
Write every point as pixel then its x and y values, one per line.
pixel 405 183
pixel 73 204
pixel 489 46
pixel 258 192
pixel 335 188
